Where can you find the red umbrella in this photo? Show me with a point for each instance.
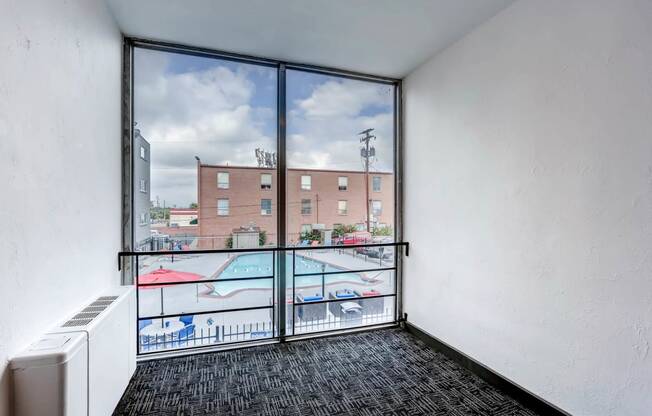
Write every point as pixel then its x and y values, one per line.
pixel 166 276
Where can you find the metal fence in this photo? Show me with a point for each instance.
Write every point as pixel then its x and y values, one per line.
pixel 326 311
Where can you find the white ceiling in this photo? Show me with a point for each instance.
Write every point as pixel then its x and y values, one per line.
pixel 380 37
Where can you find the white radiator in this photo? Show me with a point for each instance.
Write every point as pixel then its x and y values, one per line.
pixel 109 324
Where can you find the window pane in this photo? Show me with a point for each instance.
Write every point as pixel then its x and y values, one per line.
pixel 377 180
pixel 306 183
pixel 266 181
pixel 342 207
pixel 306 207
pixel 222 207
pixel 266 207
pixel 223 180
pixel 343 183
pixel 340 133
pixel 212 127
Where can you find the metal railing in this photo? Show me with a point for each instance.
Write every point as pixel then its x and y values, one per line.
pixel 327 312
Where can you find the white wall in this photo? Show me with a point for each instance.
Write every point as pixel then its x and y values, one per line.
pixel 59 165
pixel 529 200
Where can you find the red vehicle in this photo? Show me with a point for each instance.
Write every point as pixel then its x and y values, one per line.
pixel 358 237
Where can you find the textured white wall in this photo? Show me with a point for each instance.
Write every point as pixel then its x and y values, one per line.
pixel 529 200
pixel 59 165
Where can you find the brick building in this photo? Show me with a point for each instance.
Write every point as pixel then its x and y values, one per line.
pixel 232 197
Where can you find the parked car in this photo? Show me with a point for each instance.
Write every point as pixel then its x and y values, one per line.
pixel 358 237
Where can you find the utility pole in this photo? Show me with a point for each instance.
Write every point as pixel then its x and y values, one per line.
pixel 317 206
pixel 366 152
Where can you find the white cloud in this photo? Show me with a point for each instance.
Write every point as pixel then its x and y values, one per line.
pixel 326 124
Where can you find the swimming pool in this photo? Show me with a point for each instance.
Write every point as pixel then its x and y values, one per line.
pixel 260 264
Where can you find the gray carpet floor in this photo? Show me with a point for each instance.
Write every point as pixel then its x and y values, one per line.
pixel 384 372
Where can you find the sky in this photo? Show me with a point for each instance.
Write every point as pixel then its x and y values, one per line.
pixel 221 111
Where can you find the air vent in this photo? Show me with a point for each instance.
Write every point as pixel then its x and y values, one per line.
pixel 85 315
pixel 104 303
pixel 94 309
pixel 90 312
pixel 77 322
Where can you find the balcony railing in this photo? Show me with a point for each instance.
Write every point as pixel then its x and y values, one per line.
pixel 207 298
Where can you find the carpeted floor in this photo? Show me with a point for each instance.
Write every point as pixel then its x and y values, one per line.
pixel 384 372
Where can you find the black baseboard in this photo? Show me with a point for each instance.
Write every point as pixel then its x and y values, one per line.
pixel 518 393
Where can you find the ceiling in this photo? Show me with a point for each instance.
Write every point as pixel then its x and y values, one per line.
pixel 381 37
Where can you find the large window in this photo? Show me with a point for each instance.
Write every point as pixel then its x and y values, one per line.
pixel 207 179
pixel 206 141
pixel 340 133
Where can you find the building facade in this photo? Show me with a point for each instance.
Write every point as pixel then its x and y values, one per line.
pixel 234 197
pixel 183 217
pixel 141 188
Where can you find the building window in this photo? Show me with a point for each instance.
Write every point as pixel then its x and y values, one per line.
pixel 143 185
pixel 376 208
pixel 342 207
pixel 306 228
pixel 306 182
pixel 143 218
pixel 343 183
pixel 265 207
pixel 376 183
pixel 223 180
pixel 222 207
pixel 265 181
pixel 143 153
pixel 306 207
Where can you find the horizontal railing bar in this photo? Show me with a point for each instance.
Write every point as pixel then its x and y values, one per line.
pixel 345 299
pixel 380 269
pixel 204 347
pixel 173 315
pixel 296 337
pixel 257 250
pixel 234 279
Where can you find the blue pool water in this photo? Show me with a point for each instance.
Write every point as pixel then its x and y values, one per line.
pixel 260 264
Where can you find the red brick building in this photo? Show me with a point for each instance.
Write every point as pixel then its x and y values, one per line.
pixel 232 197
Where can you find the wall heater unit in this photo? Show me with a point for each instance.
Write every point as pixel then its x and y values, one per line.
pixel 102 338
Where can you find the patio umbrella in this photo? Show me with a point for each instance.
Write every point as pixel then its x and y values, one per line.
pixel 166 276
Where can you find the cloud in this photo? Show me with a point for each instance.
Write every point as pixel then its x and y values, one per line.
pixel 345 98
pixel 324 126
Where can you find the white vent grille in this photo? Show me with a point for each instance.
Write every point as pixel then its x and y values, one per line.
pixel 90 312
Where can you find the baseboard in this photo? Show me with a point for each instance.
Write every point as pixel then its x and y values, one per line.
pixel 518 393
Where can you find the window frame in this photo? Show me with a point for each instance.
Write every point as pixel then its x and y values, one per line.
pixel 380 183
pixel 129 217
pixel 228 207
pixel 228 180
pixel 305 211
pixel 264 186
pixel 266 211
pixel 346 183
pixel 344 211
pixel 303 187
